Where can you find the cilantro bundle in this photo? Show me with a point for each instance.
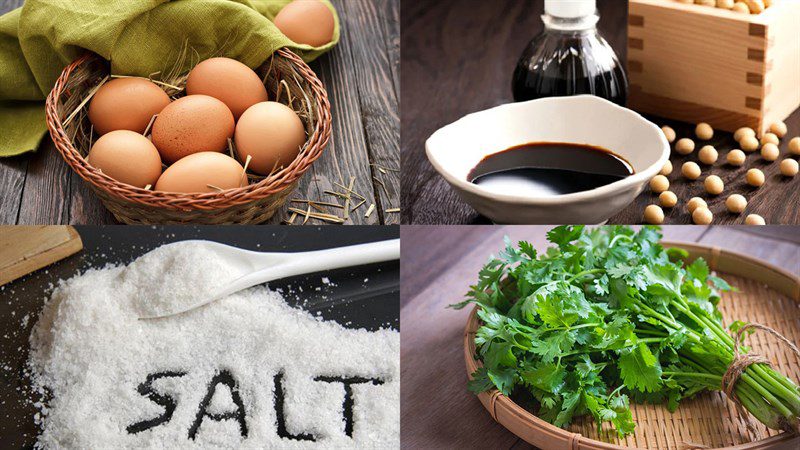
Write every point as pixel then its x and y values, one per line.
pixel 608 316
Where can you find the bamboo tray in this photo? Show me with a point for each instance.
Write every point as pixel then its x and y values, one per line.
pixel 767 294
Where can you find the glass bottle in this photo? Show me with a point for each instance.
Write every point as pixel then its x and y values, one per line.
pixel 569 57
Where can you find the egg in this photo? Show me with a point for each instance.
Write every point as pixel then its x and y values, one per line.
pixel 192 124
pixel 202 172
pixel 114 152
pixel 126 104
pixel 306 22
pixel 229 81
pixel 270 133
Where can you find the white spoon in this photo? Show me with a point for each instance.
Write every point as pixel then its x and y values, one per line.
pixel 260 267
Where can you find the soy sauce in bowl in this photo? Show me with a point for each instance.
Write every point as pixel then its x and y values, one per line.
pixel 544 169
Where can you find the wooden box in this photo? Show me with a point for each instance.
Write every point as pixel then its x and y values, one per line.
pixel 702 64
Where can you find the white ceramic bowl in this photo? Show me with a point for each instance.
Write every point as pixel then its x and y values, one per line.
pixel 583 119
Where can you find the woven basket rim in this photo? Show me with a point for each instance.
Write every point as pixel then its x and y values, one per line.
pixel 270 185
pixel 493 398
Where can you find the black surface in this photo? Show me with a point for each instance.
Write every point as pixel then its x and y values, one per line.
pixel 348 300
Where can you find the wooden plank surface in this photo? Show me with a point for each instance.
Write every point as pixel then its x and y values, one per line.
pixel 26 248
pixel 362 78
pixel 437 267
pixel 458 57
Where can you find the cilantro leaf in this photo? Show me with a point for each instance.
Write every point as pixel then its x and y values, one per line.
pixel 564 234
pixel 639 369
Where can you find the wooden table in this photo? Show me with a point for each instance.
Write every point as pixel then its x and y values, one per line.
pixel 458 57
pixel 362 76
pixel 439 263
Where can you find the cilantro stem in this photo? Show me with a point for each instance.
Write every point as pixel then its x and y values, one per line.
pixel 573 327
pixel 583 273
pixel 618 237
pixel 651 332
pixel 716 378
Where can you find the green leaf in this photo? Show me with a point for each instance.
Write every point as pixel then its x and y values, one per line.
pixel 600 285
pixel 568 406
pixel 640 369
pixel 548 377
pixel 553 346
pixel 484 380
pixel 498 354
pixel 503 380
pixel 698 269
pixel 480 381
pixel 620 270
pixel 720 284
pixel 564 234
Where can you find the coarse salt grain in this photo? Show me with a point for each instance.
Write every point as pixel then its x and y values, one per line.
pixel 90 354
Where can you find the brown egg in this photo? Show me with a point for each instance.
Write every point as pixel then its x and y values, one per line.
pixel 192 124
pixel 202 172
pixel 126 104
pixel 229 81
pixel 115 152
pixel 272 134
pixel 306 22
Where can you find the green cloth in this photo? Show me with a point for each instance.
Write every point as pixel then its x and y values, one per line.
pixel 139 37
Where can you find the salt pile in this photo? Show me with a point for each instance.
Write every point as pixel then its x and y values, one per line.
pixel 175 276
pixel 248 371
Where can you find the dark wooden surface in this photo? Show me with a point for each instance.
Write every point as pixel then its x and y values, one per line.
pixel 438 264
pixel 458 57
pixel 362 78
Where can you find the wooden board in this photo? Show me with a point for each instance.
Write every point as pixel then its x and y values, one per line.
pixel 362 78
pixel 24 249
pixel 438 264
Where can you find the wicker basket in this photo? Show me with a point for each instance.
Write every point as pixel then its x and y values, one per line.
pixel 285 75
pixel 768 295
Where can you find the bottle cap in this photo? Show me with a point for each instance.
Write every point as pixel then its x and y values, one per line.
pixel 570 8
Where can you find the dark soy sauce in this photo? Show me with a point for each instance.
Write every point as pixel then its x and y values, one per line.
pixel 569 57
pixel 566 65
pixel 549 168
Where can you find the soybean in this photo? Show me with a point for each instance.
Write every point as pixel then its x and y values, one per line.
pixel 770 152
pixel 789 167
pixel 736 157
pixel 794 145
pixel 708 155
pixel 754 219
pixel 653 214
pixel 714 185
pixel 694 203
pixel 742 132
pixel 736 203
pixel 668 199
pixel 702 216
pixel 754 177
pixel 749 143
pixel 770 138
pixel 659 184
pixel 778 128
pixel 667 169
pixel 704 131
pixel 691 170
pixel 741 7
pixel 684 146
pixel 669 133
pixel 755 6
